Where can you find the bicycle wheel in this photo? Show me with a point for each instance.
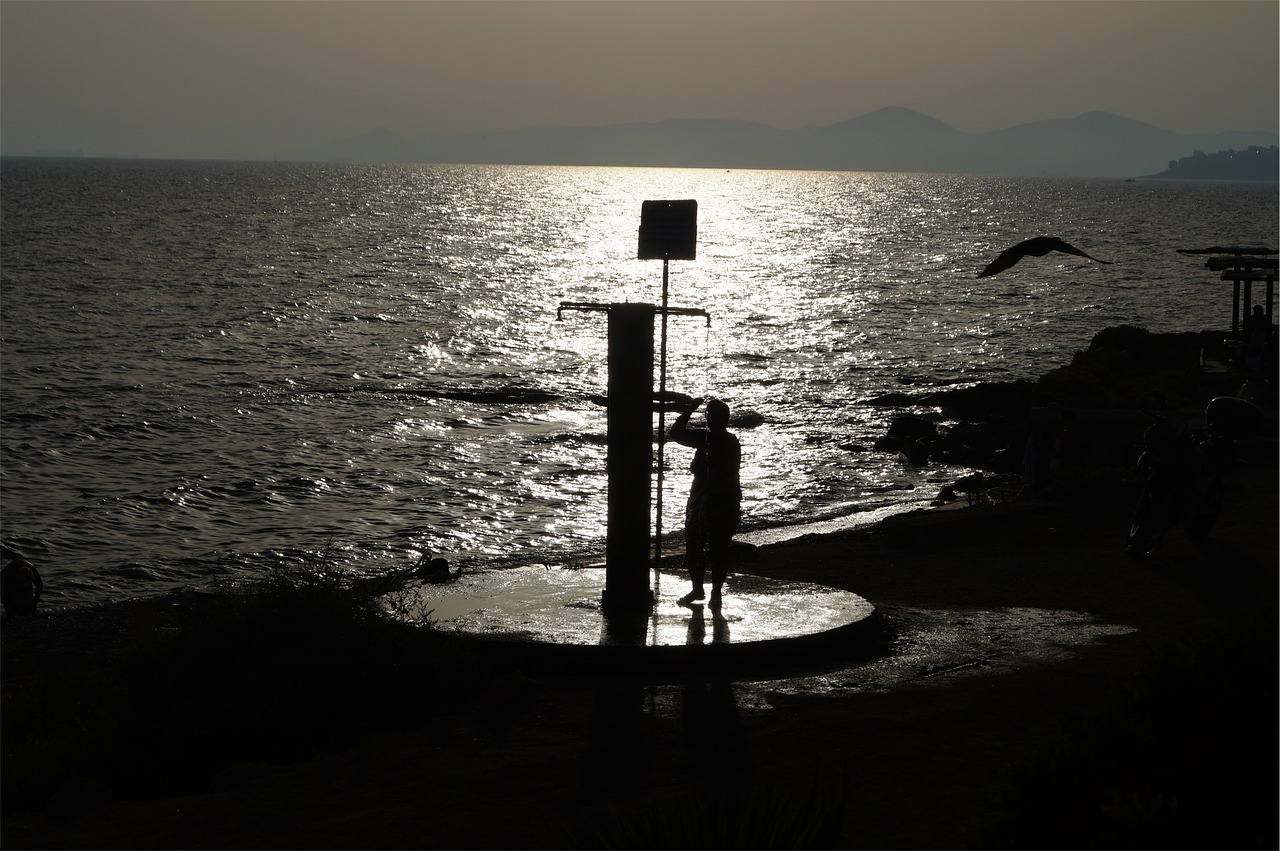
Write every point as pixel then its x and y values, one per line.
pixel 1201 515
pixel 1148 523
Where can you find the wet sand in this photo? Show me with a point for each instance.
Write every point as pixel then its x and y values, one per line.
pixel 1009 619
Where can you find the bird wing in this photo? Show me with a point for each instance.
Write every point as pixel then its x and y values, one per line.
pixel 1068 248
pixel 1006 259
pixel 1038 246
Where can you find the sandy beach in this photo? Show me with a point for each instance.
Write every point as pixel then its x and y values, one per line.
pixel 1011 622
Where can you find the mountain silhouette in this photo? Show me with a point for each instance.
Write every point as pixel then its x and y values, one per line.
pixel 893 119
pixel 1094 144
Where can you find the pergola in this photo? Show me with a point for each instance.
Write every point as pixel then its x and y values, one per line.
pixel 1243 266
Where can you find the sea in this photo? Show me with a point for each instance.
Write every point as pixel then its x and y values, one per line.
pixel 210 370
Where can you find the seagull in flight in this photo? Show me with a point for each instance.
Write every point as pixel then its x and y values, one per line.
pixel 1036 247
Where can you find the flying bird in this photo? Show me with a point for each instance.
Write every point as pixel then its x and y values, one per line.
pixel 1036 247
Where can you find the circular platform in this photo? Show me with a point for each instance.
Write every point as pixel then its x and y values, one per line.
pixel 554 614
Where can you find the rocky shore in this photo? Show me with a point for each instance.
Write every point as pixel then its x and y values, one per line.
pixel 1042 689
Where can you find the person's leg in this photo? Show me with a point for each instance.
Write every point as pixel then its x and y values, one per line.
pixel 695 542
pixel 722 523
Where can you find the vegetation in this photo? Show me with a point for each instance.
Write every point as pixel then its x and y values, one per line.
pixel 291 666
pixel 297 664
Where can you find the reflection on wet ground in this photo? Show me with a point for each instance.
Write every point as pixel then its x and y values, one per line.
pixel 559 606
pixel 556 605
pixel 932 645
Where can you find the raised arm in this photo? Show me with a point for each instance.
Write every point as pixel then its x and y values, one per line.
pixel 680 431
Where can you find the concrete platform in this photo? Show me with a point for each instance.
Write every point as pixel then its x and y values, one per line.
pixel 552 615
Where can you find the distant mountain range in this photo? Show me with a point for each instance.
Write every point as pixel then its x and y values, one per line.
pixel 1095 144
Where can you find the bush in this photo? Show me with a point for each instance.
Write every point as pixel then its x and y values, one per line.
pixel 290 666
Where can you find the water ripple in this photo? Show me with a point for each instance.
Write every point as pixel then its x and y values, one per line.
pixel 214 369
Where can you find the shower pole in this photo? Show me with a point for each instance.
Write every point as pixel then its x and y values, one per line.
pixel 662 433
pixel 668 231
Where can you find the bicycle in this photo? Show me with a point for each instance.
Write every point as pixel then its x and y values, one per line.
pixel 1183 471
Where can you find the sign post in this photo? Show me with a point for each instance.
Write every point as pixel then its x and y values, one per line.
pixel 668 231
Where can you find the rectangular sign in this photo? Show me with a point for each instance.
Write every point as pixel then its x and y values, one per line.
pixel 668 230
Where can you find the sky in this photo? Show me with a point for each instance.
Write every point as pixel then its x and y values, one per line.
pixel 253 79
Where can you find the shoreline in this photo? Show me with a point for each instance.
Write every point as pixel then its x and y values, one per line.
pixel 1128 423
pixel 995 415
pixel 850 520
pixel 1013 624
pixel 1011 620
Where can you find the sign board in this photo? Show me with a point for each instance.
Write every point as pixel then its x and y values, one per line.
pixel 668 230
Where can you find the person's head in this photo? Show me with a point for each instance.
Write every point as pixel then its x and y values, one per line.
pixel 717 414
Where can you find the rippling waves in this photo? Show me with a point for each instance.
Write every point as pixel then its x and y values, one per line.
pixel 210 369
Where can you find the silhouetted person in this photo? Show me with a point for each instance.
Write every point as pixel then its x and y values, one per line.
pixel 20 587
pixel 1257 327
pixel 715 497
pixel 1035 247
pixel 1254 332
pixel 1036 456
pixel 1269 365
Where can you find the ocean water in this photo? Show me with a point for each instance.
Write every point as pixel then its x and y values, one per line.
pixel 209 369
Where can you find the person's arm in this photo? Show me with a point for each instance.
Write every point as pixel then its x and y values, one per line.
pixel 680 431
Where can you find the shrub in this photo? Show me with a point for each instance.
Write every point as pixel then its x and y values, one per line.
pixel 284 668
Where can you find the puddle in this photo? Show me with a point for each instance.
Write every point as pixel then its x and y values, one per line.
pixel 933 645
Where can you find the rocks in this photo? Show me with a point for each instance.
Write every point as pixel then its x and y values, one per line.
pixel 921 440
pixel 983 401
pixel 985 426
pixel 915 452
pixel 1128 367
pixel 989 400
pixel 436 570
pixel 979 487
pixel 20 587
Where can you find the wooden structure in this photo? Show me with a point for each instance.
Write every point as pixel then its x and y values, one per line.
pixel 1243 266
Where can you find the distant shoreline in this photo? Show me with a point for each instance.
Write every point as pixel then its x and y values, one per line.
pixel 1093 144
pixel 1253 163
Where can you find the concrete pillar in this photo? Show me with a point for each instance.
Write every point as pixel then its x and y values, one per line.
pixel 630 458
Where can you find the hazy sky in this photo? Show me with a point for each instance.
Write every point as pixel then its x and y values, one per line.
pixel 247 79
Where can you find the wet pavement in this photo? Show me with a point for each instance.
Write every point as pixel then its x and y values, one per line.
pixel 562 606
pixel 762 622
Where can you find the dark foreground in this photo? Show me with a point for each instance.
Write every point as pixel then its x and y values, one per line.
pixel 1003 715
